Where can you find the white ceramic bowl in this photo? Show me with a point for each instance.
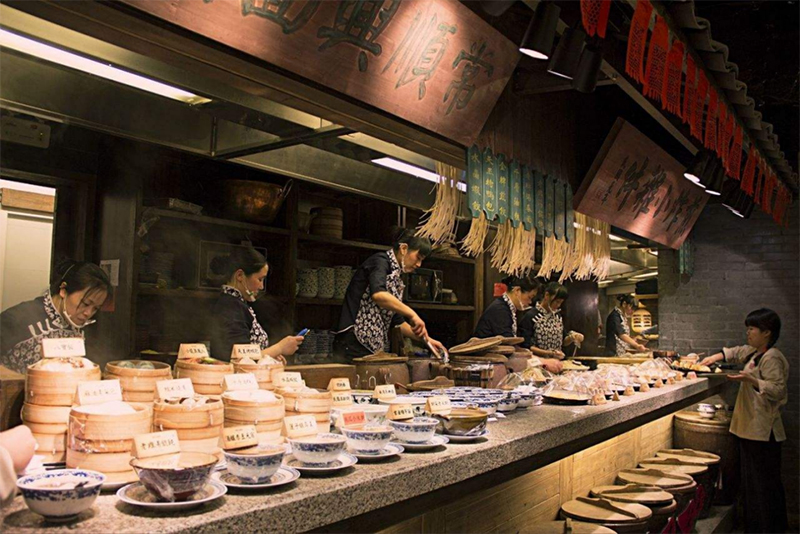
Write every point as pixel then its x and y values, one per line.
pixel 417 403
pixel 417 430
pixel 321 449
pixel 368 439
pixel 255 465
pixel 44 497
pixel 374 413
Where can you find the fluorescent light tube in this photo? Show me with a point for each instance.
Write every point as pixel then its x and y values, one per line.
pixel 40 50
pixel 413 170
pixel 645 275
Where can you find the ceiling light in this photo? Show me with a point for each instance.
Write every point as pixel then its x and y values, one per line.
pixel 588 69
pixel 695 169
pixel 541 32
pixel 567 55
pixel 40 50
pixel 645 275
pixel 413 170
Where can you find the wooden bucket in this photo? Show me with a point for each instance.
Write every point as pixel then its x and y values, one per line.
pixel 206 379
pixel 702 474
pixel 56 388
pixel 138 385
pixel 263 373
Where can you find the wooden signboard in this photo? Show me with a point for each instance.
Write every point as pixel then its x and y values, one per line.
pixel 434 63
pixel 635 185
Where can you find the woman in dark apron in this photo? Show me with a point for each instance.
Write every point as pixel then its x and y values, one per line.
pixel 618 330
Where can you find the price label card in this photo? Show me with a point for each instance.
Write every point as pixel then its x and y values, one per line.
pixel 63 347
pixel 251 351
pixel 192 350
pixel 240 382
pixel 342 398
pixel 166 461
pixel 339 384
pixel 385 392
pixel 353 418
pixel 181 388
pixel 400 412
pixel 156 444
pixel 238 437
pixel 297 426
pixel 438 404
pixel 288 379
pixel 99 391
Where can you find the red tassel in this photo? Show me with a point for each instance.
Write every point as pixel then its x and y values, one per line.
pixel 595 16
pixel 722 116
pixel 711 120
pixel 671 97
pixel 735 155
pixel 699 106
pixel 689 90
pixel 637 38
pixel 656 60
pixel 749 171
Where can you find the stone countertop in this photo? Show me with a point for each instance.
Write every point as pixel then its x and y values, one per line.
pixel 311 503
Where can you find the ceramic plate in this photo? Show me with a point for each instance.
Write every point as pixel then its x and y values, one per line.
pixel 437 441
pixel 285 475
pixel 467 439
pixel 392 449
pixel 137 495
pixel 344 461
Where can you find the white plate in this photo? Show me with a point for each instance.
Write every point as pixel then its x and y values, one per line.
pixel 137 495
pixel 344 461
pixel 467 439
pixel 285 475
pixel 436 441
pixel 392 449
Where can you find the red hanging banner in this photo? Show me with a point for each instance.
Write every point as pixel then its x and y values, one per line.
pixel 722 116
pixel 726 149
pixel 699 106
pixel 594 14
pixel 735 156
pixel 759 181
pixel 671 95
pixel 711 120
pixel 637 38
pixel 688 93
pixel 656 60
pixel 749 171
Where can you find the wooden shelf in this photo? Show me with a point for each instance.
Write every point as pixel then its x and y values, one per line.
pixel 440 307
pixel 318 302
pixel 192 293
pixel 360 245
pixel 169 214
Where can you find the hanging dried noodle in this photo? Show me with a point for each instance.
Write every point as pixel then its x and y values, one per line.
pixel 440 221
pixel 472 244
pixel 587 256
pixel 513 250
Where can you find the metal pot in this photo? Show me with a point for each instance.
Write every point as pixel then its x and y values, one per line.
pixel 255 202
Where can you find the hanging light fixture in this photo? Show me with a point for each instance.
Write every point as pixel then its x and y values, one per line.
pixel 698 165
pixel 496 8
pixel 541 32
pixel 736 200
pixel 567 55
pixel 588 69
pixel 708 172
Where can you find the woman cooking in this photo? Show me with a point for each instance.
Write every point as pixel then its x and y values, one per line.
pixel 618 331
pixel 234 321
pixel 500 318
pixel 78 291
pixel 757 420
pixel 543 328
pixel 373 302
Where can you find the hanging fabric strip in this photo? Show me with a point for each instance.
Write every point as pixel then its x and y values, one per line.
pixel 637 38
pixel 735 156
pixel 749 170
pixel 515 193
pixel 656 60
pixel 489 184
pixel 728 137
pixel 689 90
pixel 671 95
pixel 759 181
pixel 699 106
pixel 594 14
pixel 765 193
pixel 723 143
pixel 722 116
pixel 502 189
pixel 711 120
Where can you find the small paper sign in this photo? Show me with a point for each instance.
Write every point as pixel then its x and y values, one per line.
pixel 297 426
pixel 288 379
pixel 353 418
pixel 192 350
pixel 99 391
pixel 63 347
pixel 240 382
pixel 181 388
pixel 156 444
pixel 342 398
pixel 251 351
pixel 438 404
pixel 238 437
pixel 400 412
pixel 339 384
pixel 385 392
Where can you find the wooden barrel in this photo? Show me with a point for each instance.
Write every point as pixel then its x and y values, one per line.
pixel 138 385
pixel 661 503
pixel 263 373
pixel 199 427
pixel 206 379
pixel 584 510
pixel 380 372
pixel 56 388
pixel 267 416
pixel 702 474
pixel 691 431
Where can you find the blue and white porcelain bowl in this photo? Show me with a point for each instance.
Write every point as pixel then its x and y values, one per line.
pixel 368 439
pixel 255 465
pixel 417 403
pixel 525 400
pixel 487 404
pixel 321 449
pixel 374 413
pixel 508 403
pixel 55 496
pixel 417 430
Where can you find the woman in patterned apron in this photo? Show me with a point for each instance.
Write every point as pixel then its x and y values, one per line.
pixel 543 328
pixel 78 291
pixel 373 303
pixel 618 330
pixel 234 321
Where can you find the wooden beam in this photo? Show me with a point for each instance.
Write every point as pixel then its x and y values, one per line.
pixel 25 200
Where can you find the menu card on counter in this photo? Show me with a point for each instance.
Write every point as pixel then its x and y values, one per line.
pixel 339 384
pixel 98 392
pixel 192 350
pixel 385 392
pixel 156 444
pixel 251 351
pixel 63 347
pixel 438 404
pixel 353 418
pixel 297 426
pixel 240 382
pixel 286 379
pixel 239 437
pixel 180 387
pixel 342 398
pixel 400 412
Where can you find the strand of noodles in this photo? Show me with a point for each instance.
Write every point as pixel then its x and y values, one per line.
pixel 472 244
pixel 497 248
pixel 441 219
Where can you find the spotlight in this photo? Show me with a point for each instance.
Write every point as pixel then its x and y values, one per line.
pixel 541 32
pixel 567 55
pixel 588 69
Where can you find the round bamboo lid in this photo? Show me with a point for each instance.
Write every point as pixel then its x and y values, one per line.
pixel 690 456
pixel 605 511
pixel 691 416
pixel 673 465
pixel 646 495
pixel 653 477
pixel 513 340
pixel 568 525
pixel 477 345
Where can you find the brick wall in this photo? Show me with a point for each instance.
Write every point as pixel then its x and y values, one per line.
pixel 740 265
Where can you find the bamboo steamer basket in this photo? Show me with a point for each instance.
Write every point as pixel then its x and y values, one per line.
pixel 323 420
pixel 47 428
pixel 109 427
pixel 263 373
pixel 104 462
pixel 138 385
pixel 206 379
pixel 100 446
pixel 268 432
pixel 56 388
pixel 186 434
pixel 208 446
pixel 178 416
pixel 35 413
pixel 51 443
pixel 254 410
pixel 305 401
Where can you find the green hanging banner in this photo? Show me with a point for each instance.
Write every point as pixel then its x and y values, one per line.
pixel 527 199
pixel 539 186
pixel 474 181
pixel 549 205
pixel 570 217
pixel 502 189
pixel 489 184
pixel 515 199
pixel 559 228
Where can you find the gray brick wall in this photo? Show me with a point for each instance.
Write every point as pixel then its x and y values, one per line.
pixel 740 265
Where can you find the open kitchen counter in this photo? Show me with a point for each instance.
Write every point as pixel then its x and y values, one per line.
pixel 375 496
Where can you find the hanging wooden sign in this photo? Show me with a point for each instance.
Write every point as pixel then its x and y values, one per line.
pixel 539 193
pixel 474 181
pixel 527 199
pixel 515 193
pixel 570 215
pixel 559 224
pixel 635 185
pixel 502 189
pixel 489 184
pixel 549 205
pixel 434 63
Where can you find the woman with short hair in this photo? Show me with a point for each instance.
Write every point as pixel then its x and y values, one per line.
pixel 543 328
